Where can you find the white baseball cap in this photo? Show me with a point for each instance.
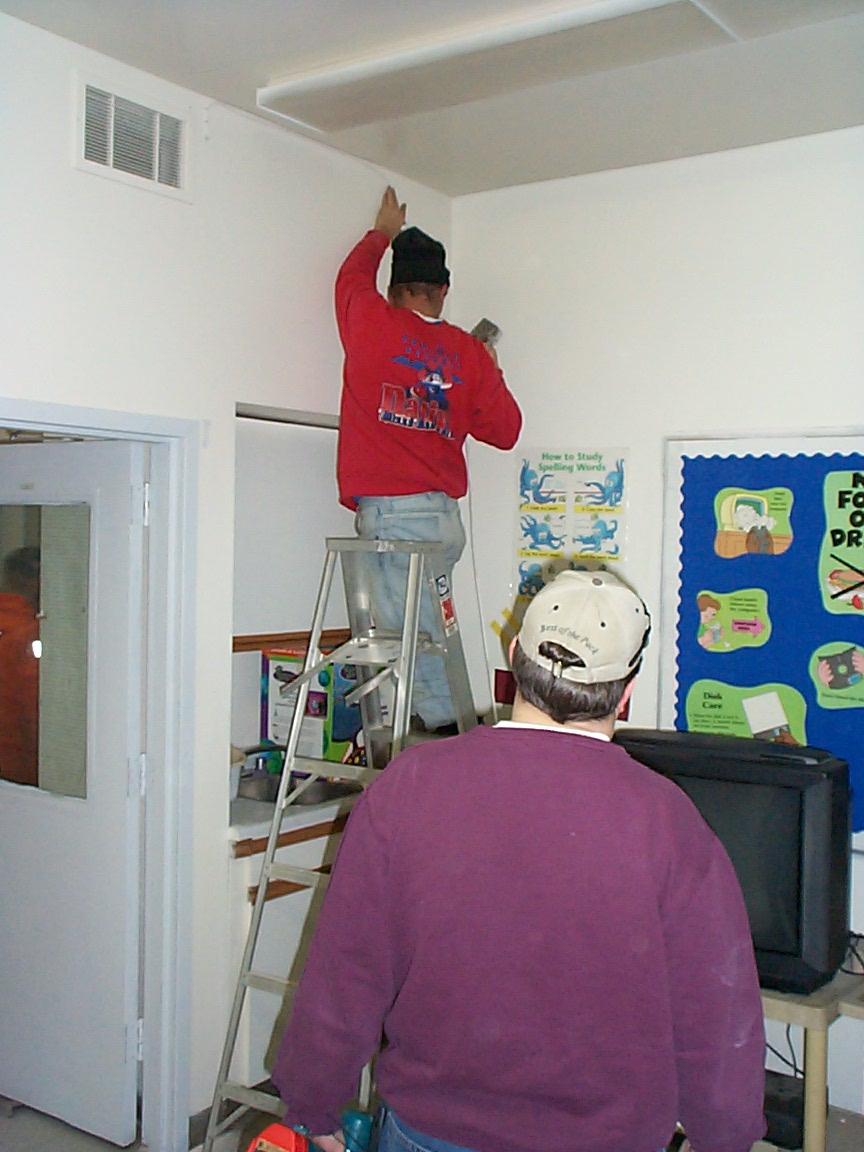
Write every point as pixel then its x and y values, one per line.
pixel 596 617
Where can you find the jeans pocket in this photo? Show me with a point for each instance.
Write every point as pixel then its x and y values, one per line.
pixel 393 1139
pixel 367 523
pixel 423 526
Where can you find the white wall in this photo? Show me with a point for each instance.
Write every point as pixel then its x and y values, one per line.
pixel 123 299
pixel 721 294
pixel 284 508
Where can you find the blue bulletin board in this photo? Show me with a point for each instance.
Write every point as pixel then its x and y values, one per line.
pixel 764 593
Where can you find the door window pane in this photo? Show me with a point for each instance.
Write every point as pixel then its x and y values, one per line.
pixel 44 566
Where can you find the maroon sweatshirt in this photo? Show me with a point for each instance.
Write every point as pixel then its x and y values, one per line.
pixel 413 390
pixel 554 944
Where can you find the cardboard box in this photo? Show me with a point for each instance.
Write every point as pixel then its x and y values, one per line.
pixel 331 729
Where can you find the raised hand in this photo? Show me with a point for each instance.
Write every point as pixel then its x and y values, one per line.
pixel 391 214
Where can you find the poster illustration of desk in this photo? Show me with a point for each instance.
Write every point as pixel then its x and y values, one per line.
pixel 764 593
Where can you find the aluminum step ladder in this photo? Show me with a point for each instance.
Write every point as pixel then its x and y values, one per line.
pixel 383 657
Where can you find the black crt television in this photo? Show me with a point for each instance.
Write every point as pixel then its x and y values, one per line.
pixel 783 814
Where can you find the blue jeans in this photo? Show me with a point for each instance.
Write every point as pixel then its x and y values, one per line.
pixel 396 1136
pixel 428 517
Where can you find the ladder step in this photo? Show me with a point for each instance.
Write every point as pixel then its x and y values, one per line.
pixel 305 876
pixel 253 1098
pixel 265 983
pixel 376 651
pixel 325 769
pixel 371 651
pixel 332 770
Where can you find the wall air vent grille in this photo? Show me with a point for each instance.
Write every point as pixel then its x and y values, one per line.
pixel 132 138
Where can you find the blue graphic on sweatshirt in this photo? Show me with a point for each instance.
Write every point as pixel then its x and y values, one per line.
pixel 422 405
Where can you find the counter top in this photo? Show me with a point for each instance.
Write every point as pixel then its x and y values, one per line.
pixel 252 818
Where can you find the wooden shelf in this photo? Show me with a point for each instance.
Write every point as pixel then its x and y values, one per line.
pixel 253 846
pixel 294 641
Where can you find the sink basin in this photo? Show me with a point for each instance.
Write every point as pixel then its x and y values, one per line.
pixel 264 786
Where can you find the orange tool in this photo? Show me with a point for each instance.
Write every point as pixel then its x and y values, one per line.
pixel 278 1138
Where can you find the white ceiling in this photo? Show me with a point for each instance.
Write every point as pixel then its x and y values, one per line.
pixel 467 95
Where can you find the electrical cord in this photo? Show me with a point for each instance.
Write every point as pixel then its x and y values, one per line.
pixel 792 1062
pixel 855 951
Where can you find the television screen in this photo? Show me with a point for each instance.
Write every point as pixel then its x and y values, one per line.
pixel 783 815
pixel 759 825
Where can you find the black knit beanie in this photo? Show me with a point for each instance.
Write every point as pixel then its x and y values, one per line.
pixel 418 259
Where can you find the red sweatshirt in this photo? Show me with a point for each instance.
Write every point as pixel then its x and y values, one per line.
pixel 413 389
pixel 19 690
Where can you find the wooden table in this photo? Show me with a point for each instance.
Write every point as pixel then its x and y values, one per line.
pixel 842 996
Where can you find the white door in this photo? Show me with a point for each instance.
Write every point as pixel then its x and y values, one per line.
pixel 69 895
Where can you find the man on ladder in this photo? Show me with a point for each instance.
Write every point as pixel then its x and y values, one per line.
pixel 414 387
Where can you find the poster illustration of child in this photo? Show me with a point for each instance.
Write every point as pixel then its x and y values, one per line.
pixel 709 634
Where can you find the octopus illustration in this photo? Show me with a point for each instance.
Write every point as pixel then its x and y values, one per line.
pixel 611 490
pixel 530 579
pixel 540 533
pixel 531 486
pixel 593 541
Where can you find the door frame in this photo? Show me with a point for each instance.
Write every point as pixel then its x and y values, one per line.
pixel 165 959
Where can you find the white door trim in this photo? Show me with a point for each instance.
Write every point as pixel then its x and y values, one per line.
pixel 169 735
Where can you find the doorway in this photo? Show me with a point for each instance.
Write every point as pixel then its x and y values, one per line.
pixel 141 957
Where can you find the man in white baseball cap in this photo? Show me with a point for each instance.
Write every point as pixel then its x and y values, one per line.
pixel 584 628
pixel 548 937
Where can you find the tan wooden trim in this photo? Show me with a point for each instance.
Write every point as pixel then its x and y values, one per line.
pixel 853 1005
pixel 255 845
pixel 330 638
pixel 277 888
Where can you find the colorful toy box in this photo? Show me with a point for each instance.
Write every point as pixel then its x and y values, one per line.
pixel 331 729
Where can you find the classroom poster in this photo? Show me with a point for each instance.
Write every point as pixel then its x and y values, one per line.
pixel 769 611
pixel 571 512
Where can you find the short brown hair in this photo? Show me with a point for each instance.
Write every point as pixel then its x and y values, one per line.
pixel 706 600
pixel 417 288
pixel 565 700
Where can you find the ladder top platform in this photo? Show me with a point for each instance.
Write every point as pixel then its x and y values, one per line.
pixel 353 544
